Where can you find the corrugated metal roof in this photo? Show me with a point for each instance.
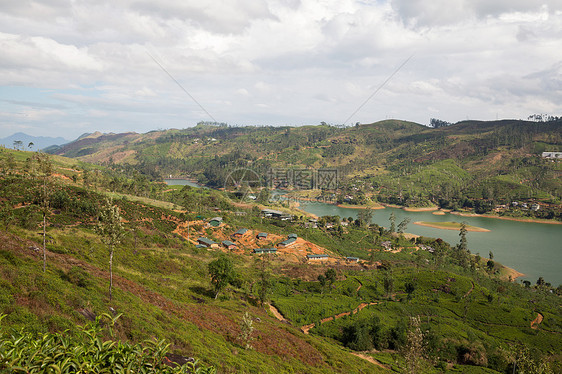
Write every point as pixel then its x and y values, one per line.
pixel 206 241
pixel 317 256
pixel 288 241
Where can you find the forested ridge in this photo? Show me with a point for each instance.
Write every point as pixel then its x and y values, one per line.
pixel 472 165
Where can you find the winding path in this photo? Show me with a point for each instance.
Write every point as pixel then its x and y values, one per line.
pixel 364 356
pixel 307 328
pixel 277 313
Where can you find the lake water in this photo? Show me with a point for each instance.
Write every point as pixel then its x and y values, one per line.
pixel 180 182
pixel 531 248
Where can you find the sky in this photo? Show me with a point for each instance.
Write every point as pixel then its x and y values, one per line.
pixel 69 67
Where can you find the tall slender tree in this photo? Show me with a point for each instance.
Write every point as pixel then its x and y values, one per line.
pixel 45 167
pixel 111 230
pixel 402 225
pixel 392 220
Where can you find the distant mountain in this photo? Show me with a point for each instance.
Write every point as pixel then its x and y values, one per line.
pixel 39 142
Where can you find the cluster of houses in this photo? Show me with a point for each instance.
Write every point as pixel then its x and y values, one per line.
pixel 203 242
pixel 276 214
pixel 534 207
pixel 552 155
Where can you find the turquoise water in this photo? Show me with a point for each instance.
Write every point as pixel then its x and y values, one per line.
pixel 180 182
pixel 531 248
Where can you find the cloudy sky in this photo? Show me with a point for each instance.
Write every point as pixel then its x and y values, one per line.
pixel 73 66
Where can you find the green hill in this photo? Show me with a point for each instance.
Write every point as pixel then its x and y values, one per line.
pixel 470 165
pixel 470 319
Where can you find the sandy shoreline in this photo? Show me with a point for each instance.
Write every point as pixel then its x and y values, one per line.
pixel 424 209
pixel 439 213
pixel 509 272
pixel 508 218
pixel 359 206
pixel 437 226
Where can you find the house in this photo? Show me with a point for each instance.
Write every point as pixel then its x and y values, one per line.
pixel 387 245
pixel 270 213
pixel 262 235
pixel 316 257
pixel 535 207
pixel 552 155
pixel 287 243
pixel 265 250
pixel 427 248
pixel 216 221
pixel 293 236
pixel 228 244
pixel 311 225
pixel 352 259
pixel 240 233
pixel 239 214
pixel 208 243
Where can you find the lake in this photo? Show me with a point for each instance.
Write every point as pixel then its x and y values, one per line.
pixel 531 248
pixel 180 182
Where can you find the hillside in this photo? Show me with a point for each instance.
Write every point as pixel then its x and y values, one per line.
pixel 471 165
pixel 471 319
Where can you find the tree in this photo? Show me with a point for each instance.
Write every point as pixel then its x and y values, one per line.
pixel 246 330
pixel 540 282
pixel 402 225
pixel 365 216
pixel 18 144
pixel 30 145
pixel 221 271
pixel 330 275
pixel 437 123
pixel 410 288
pixel 491 255
pixel 392 220
pixel 111 230
pixel 414 349
pixel 490 265
pixel 463 244
pixel 45 167
pixel 6 214
pixel 322 280
pixel 388 283
pixel 264 282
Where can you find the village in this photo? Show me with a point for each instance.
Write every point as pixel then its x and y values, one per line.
pixel 215 234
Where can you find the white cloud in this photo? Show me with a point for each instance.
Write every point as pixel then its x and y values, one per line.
pixel 275 62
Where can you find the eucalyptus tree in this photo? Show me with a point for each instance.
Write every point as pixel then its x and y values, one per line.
pixel 45 168
pixel 111 230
